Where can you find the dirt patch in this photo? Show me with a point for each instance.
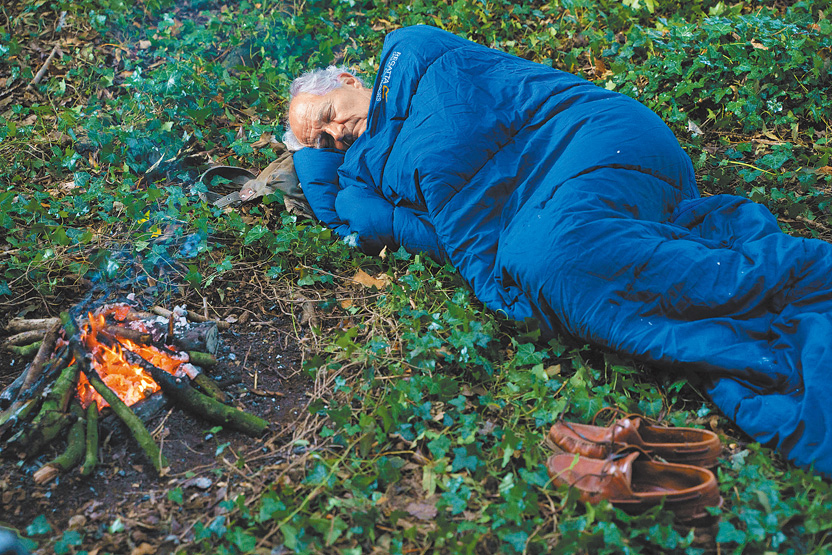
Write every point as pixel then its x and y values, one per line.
pixel 124 504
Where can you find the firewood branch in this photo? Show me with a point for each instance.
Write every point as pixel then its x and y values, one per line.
pixel 133 423
pixel 192 400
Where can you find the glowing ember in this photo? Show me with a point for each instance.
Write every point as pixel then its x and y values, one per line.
pixel 129 381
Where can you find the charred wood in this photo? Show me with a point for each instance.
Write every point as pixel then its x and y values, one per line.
pixel 192 316
pixel 135 336
pixel 194 401
pixel 44 353
pixel 202 337
pixel 8 420
pixel 145 410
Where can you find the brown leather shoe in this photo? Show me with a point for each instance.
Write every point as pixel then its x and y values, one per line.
pixel 678 445
pixel 634 483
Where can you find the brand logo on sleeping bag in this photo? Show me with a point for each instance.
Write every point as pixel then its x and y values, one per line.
pixel 385 77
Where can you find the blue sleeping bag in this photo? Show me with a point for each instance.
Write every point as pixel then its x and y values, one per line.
pixel 574 205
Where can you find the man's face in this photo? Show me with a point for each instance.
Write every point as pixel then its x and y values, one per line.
pixel 335 119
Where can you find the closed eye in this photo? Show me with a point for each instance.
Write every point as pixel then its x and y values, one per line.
pixel 325 141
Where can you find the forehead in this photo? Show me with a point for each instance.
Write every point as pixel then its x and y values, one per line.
pixel 304 116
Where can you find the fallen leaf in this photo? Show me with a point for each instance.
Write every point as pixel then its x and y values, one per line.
pixel 144 44
pixel 758 45
pixel 600 67
pixel 694 129
pixel 553 370
pixel 367 280
pixel 346 303
pixel 421 510
pixel 264 140
pixel 77 521
pixel 201 483
pixel 825 170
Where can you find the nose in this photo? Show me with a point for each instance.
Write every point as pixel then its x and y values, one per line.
pixel 337 131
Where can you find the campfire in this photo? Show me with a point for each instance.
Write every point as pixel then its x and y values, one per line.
pixel 109 360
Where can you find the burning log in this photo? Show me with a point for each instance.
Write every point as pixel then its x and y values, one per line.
pixel 136 427
pixel 136 336
pixel 200 404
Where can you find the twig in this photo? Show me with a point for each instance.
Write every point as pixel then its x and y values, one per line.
pixel 42 71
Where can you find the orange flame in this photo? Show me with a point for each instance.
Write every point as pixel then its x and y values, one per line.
pixel 129 381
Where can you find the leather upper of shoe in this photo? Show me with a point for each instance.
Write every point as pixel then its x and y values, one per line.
pixel 635 483
pixel 682 445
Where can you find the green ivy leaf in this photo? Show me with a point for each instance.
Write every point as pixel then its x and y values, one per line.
pixel 39 527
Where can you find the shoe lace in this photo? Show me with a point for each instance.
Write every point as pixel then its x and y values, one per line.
pixel 622 414
pixel 611 444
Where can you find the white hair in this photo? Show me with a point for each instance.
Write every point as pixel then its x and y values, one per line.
pixel 318 82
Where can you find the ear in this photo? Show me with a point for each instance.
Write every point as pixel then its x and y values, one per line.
pixel 350 80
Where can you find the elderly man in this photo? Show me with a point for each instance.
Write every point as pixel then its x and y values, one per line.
pixel 564 202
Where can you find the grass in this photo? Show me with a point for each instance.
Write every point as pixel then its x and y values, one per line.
pixel 426 434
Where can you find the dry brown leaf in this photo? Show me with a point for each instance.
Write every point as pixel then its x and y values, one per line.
pixel 367 280
pixel 758 45
pixel 422 510
pixel 825 170
pixel 600 67
pixel 144 44
pixel 143 549
pixel 264 141
pixel 346 303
